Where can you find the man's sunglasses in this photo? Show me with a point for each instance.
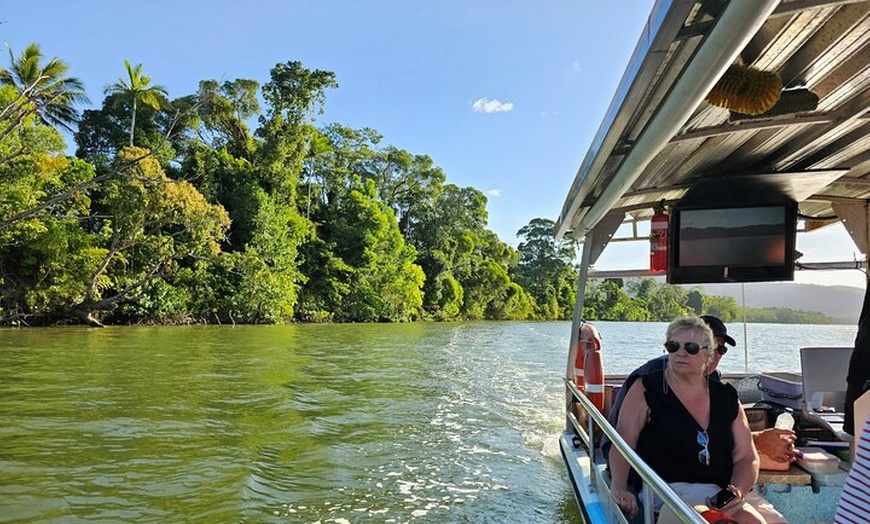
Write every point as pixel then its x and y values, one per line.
pixel 691 348
pixel 722 349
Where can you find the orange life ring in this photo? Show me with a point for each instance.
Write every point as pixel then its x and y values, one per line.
pixel 594 373
pixel 588 341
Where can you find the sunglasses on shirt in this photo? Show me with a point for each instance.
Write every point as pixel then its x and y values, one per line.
pixel 691 348
pixel 704 442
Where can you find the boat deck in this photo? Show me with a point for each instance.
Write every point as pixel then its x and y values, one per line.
pixel 795 496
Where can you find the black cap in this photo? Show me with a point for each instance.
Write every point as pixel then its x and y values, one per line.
pixel 718 329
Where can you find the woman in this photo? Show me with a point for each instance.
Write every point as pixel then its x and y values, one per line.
pixel 667 418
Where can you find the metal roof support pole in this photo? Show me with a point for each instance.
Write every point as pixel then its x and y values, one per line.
pixel 718 51
pixel 745 329
pixel 578 318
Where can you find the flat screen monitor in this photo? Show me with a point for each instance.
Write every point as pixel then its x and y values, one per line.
pixel 734 244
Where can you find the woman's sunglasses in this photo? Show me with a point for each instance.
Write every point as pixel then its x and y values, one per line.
pixel 691 348
pixel 704 442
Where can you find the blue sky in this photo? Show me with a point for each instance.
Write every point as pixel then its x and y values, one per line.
pixel 504 95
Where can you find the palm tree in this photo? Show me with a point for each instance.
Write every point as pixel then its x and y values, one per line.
pixel 138 89
pixel 45 91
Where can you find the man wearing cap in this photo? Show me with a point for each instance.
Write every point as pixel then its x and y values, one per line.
pixel 777 444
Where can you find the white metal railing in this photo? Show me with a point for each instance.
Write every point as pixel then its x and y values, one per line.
pixel 650 478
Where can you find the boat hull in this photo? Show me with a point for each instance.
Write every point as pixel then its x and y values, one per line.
pixel 579 467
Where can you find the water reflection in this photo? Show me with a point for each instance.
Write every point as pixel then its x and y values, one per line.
pixel 415 422
pixel 349 423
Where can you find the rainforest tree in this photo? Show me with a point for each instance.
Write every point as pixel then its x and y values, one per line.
pixel 137 89
pixel 149 225
pixel 42 90
pixel 546 269
pixel 210 208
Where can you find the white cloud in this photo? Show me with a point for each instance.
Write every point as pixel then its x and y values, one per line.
pixel 496 192
pixel 575 66
pixel 485 105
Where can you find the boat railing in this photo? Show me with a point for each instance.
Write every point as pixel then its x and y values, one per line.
pixel 650 478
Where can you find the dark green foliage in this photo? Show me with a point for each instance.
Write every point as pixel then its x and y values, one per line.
pixel 785 316
pixel 646 300
pixel 223 110
pixel 546 270
pixel 102 133
pixel 465 265
pixel 208 221
pixel 232 183
pixel 294 92
pixel 158 301
pixel 371 270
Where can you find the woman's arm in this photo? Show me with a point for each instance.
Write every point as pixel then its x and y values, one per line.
pixel 632 419
pixel 744 456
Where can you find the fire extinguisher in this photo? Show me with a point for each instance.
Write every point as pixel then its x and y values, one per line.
pixel 658 239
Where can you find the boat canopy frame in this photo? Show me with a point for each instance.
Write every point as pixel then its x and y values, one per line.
pixel 659 135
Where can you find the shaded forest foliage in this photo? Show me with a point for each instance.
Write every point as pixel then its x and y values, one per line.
pixel 230 205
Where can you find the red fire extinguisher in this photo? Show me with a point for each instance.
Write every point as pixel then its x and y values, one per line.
pixel 658 239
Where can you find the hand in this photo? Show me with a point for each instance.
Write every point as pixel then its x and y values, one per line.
pixel 777 444
pixel 626 501
pixel 738 497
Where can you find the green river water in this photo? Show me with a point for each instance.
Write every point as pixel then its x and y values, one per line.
pixel 309 423
pixel 300 423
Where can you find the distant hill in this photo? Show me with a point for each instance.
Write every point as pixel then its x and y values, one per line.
pixel 841 303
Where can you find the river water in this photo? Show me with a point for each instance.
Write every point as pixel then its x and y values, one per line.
pixel 308 423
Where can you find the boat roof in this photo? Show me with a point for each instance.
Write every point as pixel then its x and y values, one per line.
pixel 660 136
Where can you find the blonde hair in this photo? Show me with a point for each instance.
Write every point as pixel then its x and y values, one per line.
pixel 697 325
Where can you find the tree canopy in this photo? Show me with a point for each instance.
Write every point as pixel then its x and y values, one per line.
pixel 231 204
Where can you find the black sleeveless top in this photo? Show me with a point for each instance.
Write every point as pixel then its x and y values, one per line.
pixel 669 441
